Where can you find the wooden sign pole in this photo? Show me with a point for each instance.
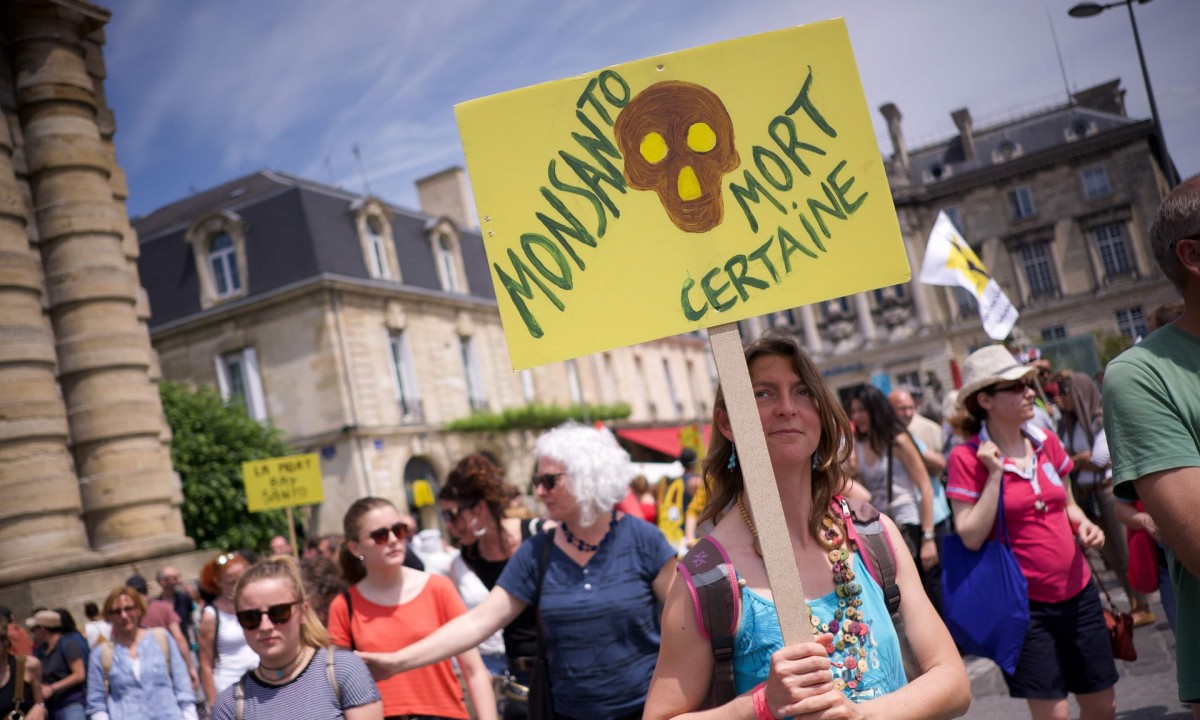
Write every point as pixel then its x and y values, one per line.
pixel 782 573
pixel 292 531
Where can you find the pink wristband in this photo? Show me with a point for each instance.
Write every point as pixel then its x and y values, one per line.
pixel 759 696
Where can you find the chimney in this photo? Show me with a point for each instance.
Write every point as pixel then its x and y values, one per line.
pixel 891 113
pixel 1106 97
pixel 966 132
pixel 444 194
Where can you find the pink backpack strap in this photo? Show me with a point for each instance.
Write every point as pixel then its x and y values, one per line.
pixel 710 579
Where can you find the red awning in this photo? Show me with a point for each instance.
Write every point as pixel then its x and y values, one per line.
pixel 664 440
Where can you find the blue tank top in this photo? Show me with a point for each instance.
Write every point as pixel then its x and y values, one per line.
pixel 758 636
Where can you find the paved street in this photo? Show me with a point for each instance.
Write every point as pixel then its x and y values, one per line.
pixel 1146 690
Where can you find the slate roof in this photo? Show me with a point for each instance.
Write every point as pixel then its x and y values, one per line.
pixel 1010 140
pixel 296 230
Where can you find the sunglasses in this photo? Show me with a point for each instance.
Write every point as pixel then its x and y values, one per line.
pixel 450 517
pixel 546 480
pixel 1018 386
pixel 380 535
pixel 118 611
pixel 279 614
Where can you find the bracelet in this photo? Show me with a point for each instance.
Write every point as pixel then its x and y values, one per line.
pixel 759 696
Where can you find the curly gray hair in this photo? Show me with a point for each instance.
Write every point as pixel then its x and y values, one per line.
pixel 599 469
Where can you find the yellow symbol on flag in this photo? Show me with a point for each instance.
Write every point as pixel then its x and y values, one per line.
pixel 670 509
pixel 963 259
pixel 691 437
pixel 422 493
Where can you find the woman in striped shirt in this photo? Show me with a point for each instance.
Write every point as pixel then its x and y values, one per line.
pixel 297 677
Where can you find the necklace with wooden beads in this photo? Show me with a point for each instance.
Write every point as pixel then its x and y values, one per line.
pixel 829 537
pixel 586 546
pixel 283 672
pixel 850 632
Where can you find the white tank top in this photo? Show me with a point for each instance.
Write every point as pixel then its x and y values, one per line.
pixel 234 656
pixel 904 509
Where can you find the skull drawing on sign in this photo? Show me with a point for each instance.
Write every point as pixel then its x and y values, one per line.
pixel 677 140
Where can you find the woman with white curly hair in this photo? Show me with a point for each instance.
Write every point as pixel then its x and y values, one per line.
pixel 596 580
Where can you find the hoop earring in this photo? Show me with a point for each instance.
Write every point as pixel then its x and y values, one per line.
pixel 732 458
pixel 476 530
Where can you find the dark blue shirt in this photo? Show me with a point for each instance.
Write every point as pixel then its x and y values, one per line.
pixel 600 621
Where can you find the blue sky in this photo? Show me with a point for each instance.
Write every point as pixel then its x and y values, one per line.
pixel 206 91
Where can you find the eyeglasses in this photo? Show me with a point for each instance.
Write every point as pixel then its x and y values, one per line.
pixel 380 535
pixel 450 516
pixel 546 480
pixel 119 611
pixel 279 614
pixel 1019 386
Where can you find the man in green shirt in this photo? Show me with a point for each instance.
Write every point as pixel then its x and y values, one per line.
pixel 1152 420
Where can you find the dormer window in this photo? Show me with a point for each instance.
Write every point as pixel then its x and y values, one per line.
pixel 447 256
pixel 376 249
pixel 222 260
pixel 218 245
pixel 375 238
pixel 446 264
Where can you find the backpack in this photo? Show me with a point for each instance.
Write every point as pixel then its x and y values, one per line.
pixel 714 588
pixel 106 653
pixel 239 693
pixel 18 689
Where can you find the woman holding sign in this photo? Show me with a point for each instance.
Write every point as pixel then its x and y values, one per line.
pixel 855 658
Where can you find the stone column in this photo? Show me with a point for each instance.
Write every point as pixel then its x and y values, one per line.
pixel 812 336
pixel 40 528
pixel 127 483
pixel 866 324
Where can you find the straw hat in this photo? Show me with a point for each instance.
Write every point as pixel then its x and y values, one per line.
pixel 989 366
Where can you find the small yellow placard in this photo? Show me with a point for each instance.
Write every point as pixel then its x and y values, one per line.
pixel 282 482
pixel 680 192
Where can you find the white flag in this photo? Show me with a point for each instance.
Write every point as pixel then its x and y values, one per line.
pixel 949 260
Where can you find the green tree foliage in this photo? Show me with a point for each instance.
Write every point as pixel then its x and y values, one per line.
pixel 211 441
pixel 1111 345
pixel 537 417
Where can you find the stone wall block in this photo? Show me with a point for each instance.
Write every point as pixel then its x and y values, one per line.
pixel 30 483
pixel 106 492
pixel 78 218
pixel 19 271
pixel 134 453
pixel 106 406
pixel 85 284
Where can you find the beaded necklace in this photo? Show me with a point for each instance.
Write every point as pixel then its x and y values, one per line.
pixel 850 632
pixel 586 546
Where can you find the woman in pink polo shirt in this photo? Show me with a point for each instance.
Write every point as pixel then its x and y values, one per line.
pixel 1066 648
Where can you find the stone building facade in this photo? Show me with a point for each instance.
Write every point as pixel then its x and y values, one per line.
pixel 86 481
pixel 361 329
pixel 1057 203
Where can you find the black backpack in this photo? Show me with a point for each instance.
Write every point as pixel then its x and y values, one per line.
pixel 712 581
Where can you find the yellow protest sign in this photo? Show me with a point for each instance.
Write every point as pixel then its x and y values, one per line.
pixel 680 192
pixel 282 482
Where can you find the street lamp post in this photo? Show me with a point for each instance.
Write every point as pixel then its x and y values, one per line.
pixel 1090 9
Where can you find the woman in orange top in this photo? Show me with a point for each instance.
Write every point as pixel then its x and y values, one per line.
pixel 392 606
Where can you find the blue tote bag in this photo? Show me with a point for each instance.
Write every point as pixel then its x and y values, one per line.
pixel 985 597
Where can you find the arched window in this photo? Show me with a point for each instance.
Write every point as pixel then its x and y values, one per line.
pixel 376 250
pixel 446 260
pixel 222 260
